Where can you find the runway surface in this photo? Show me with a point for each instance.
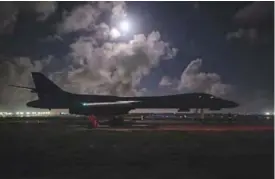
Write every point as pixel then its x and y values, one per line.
pixel 71 149
pixel 84 125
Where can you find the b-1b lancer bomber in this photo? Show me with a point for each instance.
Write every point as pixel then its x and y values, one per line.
pixel 50 96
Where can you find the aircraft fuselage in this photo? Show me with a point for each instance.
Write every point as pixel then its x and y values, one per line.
pixel 181 101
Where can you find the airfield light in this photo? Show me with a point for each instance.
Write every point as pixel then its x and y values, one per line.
pixel 267 113
pixel 21 113
pixel 28 113
pixel 1 113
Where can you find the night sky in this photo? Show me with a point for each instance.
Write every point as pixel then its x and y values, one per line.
pixel 223 48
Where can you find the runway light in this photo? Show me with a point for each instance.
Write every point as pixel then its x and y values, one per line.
pixel 27 113
pixel 267 113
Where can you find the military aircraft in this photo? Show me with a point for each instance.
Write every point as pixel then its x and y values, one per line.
pixel 50 96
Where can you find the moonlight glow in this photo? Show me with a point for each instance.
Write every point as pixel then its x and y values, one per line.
pixel 124 26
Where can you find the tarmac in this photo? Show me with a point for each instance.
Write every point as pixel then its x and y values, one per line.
pixel 61 148
pixel 152 125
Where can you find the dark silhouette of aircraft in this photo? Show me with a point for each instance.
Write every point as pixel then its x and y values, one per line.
pixel 50 96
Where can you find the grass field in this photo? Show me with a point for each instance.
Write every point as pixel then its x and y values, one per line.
pixel 59 151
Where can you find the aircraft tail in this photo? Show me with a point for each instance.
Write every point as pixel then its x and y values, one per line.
pixel 45 87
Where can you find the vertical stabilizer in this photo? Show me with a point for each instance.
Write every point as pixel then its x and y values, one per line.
pixel 45 87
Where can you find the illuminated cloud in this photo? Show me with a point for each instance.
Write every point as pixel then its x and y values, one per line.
pixel 98 63
pixel 116 68
pixel 114 33
pixel 85 17
pixel 193 80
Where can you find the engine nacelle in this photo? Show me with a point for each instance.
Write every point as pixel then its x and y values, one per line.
pixel 100 110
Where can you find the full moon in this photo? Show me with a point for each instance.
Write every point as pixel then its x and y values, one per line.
pixel 124 26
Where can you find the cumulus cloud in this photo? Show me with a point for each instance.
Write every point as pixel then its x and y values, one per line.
pixel 116 67
pixel 96 63
pixel 100 64
pixel 194 80
pixel 86 17
pixel 10 10
pixel 17 71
